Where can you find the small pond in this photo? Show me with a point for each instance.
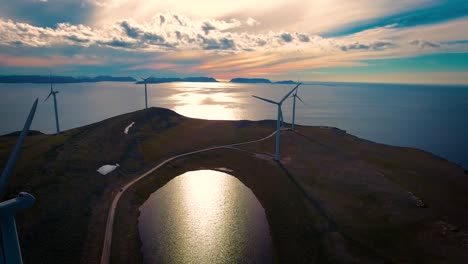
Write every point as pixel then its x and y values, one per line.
pixel 204 216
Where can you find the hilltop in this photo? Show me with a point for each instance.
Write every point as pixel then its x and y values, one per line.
pixel 333 197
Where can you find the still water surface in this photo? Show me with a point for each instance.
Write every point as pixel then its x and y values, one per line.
pixel 204 216
pixel 433 118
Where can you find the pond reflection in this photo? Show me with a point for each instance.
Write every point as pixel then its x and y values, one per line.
pixel 204 216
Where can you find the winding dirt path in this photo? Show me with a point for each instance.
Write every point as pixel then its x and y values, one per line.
pixel 106 248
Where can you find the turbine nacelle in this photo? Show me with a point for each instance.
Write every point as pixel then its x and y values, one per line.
pixel 13 206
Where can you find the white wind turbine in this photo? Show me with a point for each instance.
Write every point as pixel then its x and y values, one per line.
pixel 279 118
pixel 10 250
pixel 146 91
pixel 54 93
pixel 294 95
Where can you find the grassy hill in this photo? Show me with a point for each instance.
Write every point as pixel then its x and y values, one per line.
pixel 333 198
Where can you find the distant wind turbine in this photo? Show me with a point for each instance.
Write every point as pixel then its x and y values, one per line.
pixel 54 93
pixel 10 251
pixel 279 118
pixel 146 91
pixel 294 105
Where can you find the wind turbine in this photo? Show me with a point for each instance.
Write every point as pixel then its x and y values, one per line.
pixel 294 106
pixel 278 119
pixel 54 93
pixel 146 91
pixel 10 251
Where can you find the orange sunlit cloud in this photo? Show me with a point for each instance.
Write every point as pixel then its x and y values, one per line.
pixel 14 61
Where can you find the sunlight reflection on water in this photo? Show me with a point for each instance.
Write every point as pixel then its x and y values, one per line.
pixel 204 216
pixel 207 100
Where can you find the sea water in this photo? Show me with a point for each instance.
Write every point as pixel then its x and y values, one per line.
pixel 430 117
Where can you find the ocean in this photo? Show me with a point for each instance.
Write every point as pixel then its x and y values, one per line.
pixel 430 117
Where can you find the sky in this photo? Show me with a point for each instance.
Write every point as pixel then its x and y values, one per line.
pixel 397 41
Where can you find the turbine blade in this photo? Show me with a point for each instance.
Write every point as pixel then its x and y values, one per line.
pixel 288 94
pixel 300 99
pixel 264 99
pixel 48 96
pixel 14 155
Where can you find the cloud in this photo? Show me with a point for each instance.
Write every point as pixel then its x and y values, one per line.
pixel 214 44
pixel 303 37
pixel 286 37
pixel 424 43
pixel 118 43
pixel 207 27
pixel 153 38
pixel 132 32
pixel 176 17
pixel 75 38
pixel 261 42
pixel 51 61
pixel 224 47
pixel 416 13
pixel 177 31
pixel 251 22
pixel 377 45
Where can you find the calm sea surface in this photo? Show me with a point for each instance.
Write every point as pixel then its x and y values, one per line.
pixel 433 118
pixel 204 216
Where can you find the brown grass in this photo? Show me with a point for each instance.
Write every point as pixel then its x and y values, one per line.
pixel 335 198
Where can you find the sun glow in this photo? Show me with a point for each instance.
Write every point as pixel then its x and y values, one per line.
pixel 210 100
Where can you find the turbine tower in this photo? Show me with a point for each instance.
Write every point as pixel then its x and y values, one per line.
pixel 54 93
pixel 146 91
pixel 279 118
pixel 10 251
pixel 294 106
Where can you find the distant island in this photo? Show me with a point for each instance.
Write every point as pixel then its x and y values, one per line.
pixel 250 80
pixel 259 80
pixel 61 79
pixel 104 78
pixel 286 82
pixel 175 79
